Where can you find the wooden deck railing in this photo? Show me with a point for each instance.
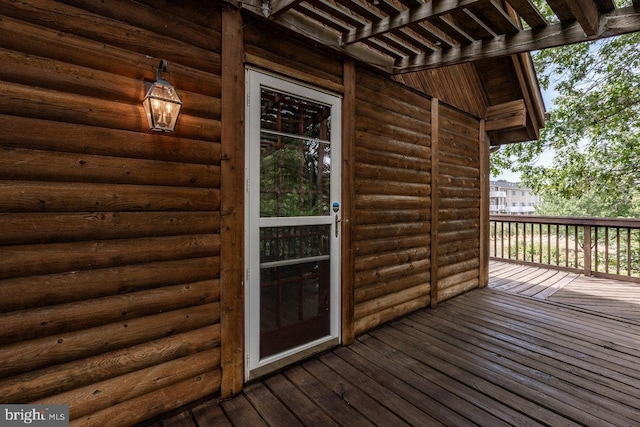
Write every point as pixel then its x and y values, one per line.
pixel 604 247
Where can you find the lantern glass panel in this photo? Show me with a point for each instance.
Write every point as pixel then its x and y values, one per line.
pixel 162 106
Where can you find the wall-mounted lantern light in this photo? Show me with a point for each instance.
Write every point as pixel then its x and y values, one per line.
pixel 162 104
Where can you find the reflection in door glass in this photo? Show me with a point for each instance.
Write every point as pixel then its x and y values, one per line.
pixel 294 285
pixel 290 243
pixel 295 156
pixel 295 116
pixel 293 293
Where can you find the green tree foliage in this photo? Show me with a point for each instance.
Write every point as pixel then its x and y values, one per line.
pixel 593 129
pixel 590 204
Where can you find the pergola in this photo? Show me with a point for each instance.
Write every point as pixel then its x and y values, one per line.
pixel 400 36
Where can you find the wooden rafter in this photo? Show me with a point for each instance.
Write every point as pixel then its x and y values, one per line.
pixel 496 17
pixel 561 9
pixel 314 30
pixel 529 13
pixel 398 36
pixel 586 13
pixel 432 35
pixel 447 26
pixel 472 24
pixel 337 11
pixel 605 5
pixel 421 13
pixel 620 21
pixel 416 41
pixel 360 9
pixel 387 6
pixel 278 7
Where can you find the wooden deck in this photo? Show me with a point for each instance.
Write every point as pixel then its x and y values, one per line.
pixel 611 297
pixel 488 357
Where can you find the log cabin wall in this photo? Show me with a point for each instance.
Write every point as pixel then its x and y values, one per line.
pixel 456 250
pixel 417 201
pixel 271 50
pixel 110 235
pixel 111 243
pixel 392 201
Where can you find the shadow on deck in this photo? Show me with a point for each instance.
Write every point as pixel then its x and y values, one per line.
pixel 488 357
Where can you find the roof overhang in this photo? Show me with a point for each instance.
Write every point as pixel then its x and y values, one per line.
pixel 400 36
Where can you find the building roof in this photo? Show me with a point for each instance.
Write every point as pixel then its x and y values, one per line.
pixel 506 184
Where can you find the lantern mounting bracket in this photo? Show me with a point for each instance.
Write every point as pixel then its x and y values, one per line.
pixel 162 69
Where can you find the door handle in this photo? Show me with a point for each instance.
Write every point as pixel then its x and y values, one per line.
pixel 338 221
pixel 336 208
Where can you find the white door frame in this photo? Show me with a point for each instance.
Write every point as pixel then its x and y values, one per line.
pixel 255 80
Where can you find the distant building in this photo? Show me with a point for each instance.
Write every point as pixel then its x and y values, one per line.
pixel 509 198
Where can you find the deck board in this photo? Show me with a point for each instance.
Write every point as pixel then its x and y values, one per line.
pixel 309 411
pixel 462 362
pixel 490 357
pixel 376 391
pixel 332 401
pixel 442 403
pixel 209 414
pixel 272 410
pixel 517 354
pixel 611 297
pixel 241 413
pixel 377 411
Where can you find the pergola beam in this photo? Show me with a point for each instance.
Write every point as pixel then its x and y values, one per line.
pixel 315 31
pixel 497 18
pixel 356 29
pixel 277 7
pixel 619 21
pixel 529 13
pixel 586 13
pixel 408 16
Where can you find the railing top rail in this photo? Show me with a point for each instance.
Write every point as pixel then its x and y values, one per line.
pixel 566 220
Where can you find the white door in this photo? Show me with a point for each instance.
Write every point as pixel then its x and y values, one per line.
pixel 293 207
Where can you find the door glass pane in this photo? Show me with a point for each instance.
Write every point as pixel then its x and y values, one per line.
pixel 295 157
pixel 291 243
pixel 291 294
pixel 294 116
pixel 293 289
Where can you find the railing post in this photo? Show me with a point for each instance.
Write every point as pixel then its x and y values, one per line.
pixel 484 205
pixel 587 250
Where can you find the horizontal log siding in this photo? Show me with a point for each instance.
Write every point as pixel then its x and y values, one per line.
pixel 110 243
pixel 392 201
pixel 459 203
pixel 291 58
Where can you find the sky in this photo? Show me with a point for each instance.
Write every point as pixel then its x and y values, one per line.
pixel 546 158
